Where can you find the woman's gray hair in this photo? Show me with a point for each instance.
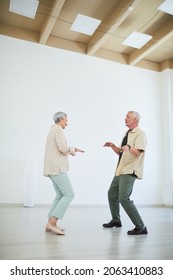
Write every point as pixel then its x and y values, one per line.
pixel 135 114
pixel 59 116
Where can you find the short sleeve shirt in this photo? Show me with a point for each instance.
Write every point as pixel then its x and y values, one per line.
pixel 129 164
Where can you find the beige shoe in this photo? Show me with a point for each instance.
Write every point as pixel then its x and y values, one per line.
pixel 48 229
pixel 54 229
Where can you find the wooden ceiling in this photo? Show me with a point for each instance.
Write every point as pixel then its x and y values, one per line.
pixel 54 19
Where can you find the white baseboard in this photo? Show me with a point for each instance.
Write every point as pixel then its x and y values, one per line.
pixel 84 205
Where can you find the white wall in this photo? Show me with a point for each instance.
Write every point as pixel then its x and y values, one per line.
pixel 35 82
pixel 167 132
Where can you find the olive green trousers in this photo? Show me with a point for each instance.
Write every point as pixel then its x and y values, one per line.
pixel 119 193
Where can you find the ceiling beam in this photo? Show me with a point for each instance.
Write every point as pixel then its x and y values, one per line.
pixel 166 64
pixel 19 33
pixel 50 22
pixel 114 20
pixel 160 37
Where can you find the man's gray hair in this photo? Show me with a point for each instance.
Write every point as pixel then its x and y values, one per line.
pixel 135 114
pixel 59 116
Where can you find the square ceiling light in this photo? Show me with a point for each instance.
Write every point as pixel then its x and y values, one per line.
pixel 166 7
pixel 27 8
pixel 137 39
pixel 84 24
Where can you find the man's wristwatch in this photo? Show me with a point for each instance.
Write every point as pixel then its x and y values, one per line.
pixel 129 146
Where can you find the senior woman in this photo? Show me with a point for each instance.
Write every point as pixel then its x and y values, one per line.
pixel 56 166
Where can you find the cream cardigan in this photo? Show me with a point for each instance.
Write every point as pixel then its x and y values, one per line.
pixel 56 152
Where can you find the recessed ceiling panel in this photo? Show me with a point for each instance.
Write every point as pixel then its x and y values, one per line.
pixel 84 24
pixel 27 8
pixel 137 40
pixel 167 7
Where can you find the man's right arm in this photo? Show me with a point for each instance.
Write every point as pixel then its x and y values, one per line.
pixel 116 149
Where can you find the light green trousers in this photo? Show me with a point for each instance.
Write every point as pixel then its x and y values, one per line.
pixel 119 193
pixel 64 195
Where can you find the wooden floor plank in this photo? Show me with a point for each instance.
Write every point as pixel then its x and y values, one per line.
pixel 23 236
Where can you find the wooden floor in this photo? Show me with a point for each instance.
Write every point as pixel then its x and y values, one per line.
pixel 23 236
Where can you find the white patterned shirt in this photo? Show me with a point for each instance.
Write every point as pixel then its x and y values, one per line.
pixel 56 152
